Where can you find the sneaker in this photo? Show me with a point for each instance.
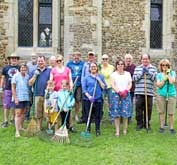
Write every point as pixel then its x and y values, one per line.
pixel 72 129
pixel 12 122
pixel 172 131
pixel 4 124
pixel 139 127
pixel 161 130
pixel 98 133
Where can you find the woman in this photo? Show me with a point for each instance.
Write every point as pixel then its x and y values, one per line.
pixel 121 83
pixel 166 92
pixel 20 94
pixel 106 69
pixel 58 74
pixel 93 86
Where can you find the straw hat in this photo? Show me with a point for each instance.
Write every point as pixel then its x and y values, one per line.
pixel 13 55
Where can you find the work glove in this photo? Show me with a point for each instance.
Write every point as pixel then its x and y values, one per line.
pixel 168 71
pixel 145 70
pixel 1 90
pixel 165 78
pixel 91 99
pixel 36 73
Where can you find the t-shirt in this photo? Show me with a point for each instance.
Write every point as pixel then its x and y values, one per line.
pixel 9 71
pixel 121 80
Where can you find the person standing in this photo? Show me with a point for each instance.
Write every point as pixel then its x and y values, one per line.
pixel 93 87
pixel 76 66
pixel 5 86
pixel 166 91
pixel 106 70
pixel 120 107
pixel 130 67
pixel 144 74
pixel 20 96
pixel 39 83
pixel 32 66
pixel 86 72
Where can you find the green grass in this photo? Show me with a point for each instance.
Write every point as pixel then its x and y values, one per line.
pixel 136 148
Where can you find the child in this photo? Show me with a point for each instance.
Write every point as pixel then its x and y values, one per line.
pixel 65 102
pixel 50 104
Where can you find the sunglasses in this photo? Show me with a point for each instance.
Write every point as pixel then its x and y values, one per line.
pixel 164 65
pixel 104 59
pixel 58 61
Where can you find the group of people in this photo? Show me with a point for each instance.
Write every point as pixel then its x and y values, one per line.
pixel 56 89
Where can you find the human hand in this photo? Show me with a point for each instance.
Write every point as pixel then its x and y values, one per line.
pixel 145 70
pixel 36 73
pixel 168 71
pixel 165 78
pixel 124 93
pixel 91 99
pixel 1 90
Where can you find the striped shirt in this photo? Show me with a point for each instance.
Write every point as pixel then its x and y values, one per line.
pixel 139 80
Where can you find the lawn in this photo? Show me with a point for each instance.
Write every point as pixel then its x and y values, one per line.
pixel 136 148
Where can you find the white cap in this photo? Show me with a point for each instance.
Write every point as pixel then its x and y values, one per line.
pixel 90 52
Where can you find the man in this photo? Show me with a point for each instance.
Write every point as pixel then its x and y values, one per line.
pixel 144 74
pixel 32 66
pixel 76 66
pixel 5 86
pixel 130 67
pixel 85 72
pixel 39 83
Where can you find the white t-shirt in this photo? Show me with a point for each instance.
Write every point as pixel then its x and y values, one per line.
pixel 121 80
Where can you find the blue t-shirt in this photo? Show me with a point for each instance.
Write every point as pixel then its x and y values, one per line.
pixel 76 70
pixel 9 71
pixel 162 91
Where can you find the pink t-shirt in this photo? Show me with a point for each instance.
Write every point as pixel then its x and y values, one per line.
pixel 59 76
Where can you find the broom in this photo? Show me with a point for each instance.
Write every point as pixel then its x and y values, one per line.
pixel 32 128
pixel 61 135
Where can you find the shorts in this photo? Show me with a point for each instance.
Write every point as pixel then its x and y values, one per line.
pixel 161 105
pixel 21 105
pixel 39 106
pixel 52 117
pixel 7 99
pixel 78 94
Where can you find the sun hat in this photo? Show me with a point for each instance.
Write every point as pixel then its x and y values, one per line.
pixel 105 56
pixel 13 55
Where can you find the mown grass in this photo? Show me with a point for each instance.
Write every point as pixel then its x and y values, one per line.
pixel 136 148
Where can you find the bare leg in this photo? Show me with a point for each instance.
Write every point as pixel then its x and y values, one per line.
pixel 171 121
pixel 117 125
pixel 77 106
pixel 17 122
pixel 125 123
pixel 6 114
pixel 161 120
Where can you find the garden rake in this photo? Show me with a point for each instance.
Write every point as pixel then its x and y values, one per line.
pixel 86 134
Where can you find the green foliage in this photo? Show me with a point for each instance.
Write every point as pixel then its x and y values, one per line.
pixel 136 148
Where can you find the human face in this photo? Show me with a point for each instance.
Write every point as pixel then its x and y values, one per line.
pixel 120 65
pixel 91 57
pixel 14 60
pixel 76 57
pixel 128 60
pixel 64 85
pixel 59 61
pixel 23 69
pixel 41 62
pixel 164 66
pixel 145 60
pixel 93 68
pixel 105 60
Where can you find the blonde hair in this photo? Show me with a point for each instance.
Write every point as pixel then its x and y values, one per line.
pixel 166 61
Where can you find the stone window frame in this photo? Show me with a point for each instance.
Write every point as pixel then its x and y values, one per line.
pixel 167 36
pixel 56 28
